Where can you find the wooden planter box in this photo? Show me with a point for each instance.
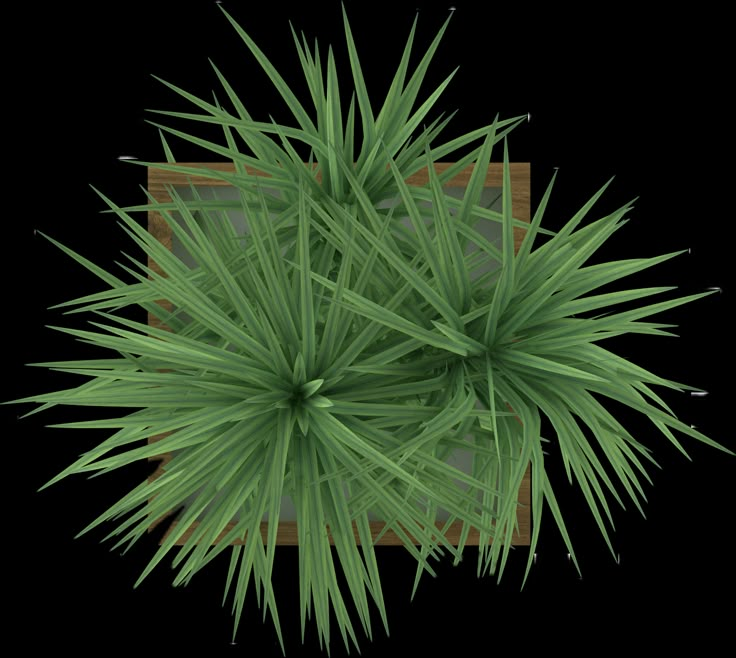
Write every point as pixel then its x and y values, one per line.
pixel 159 181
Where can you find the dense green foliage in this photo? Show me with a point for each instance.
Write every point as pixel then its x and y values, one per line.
pixel 338 357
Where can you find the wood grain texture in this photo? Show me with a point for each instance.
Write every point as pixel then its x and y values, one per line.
pixel 520 172
pixel 158 182
pixel 158 227
pixel 287 531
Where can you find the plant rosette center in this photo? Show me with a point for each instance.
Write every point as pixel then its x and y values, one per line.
pixel 302 395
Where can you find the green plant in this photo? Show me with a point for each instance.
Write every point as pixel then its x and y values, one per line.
pixel 296 364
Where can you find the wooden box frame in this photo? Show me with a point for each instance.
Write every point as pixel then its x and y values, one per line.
pixel 159 181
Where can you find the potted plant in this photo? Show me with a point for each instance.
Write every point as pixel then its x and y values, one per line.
pixel 338 357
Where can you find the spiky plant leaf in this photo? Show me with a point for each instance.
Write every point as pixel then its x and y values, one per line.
pixel 334 357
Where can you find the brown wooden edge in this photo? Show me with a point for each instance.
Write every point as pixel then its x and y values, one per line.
pixel 158 182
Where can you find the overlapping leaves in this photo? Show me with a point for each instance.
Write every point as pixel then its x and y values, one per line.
pixel 334 356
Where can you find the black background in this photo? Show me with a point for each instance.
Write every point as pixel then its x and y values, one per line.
pixel 610 93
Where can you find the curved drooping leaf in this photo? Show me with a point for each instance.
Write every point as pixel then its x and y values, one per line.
pixel 334 357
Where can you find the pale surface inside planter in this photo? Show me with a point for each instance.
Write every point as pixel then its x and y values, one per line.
pixel 491 198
